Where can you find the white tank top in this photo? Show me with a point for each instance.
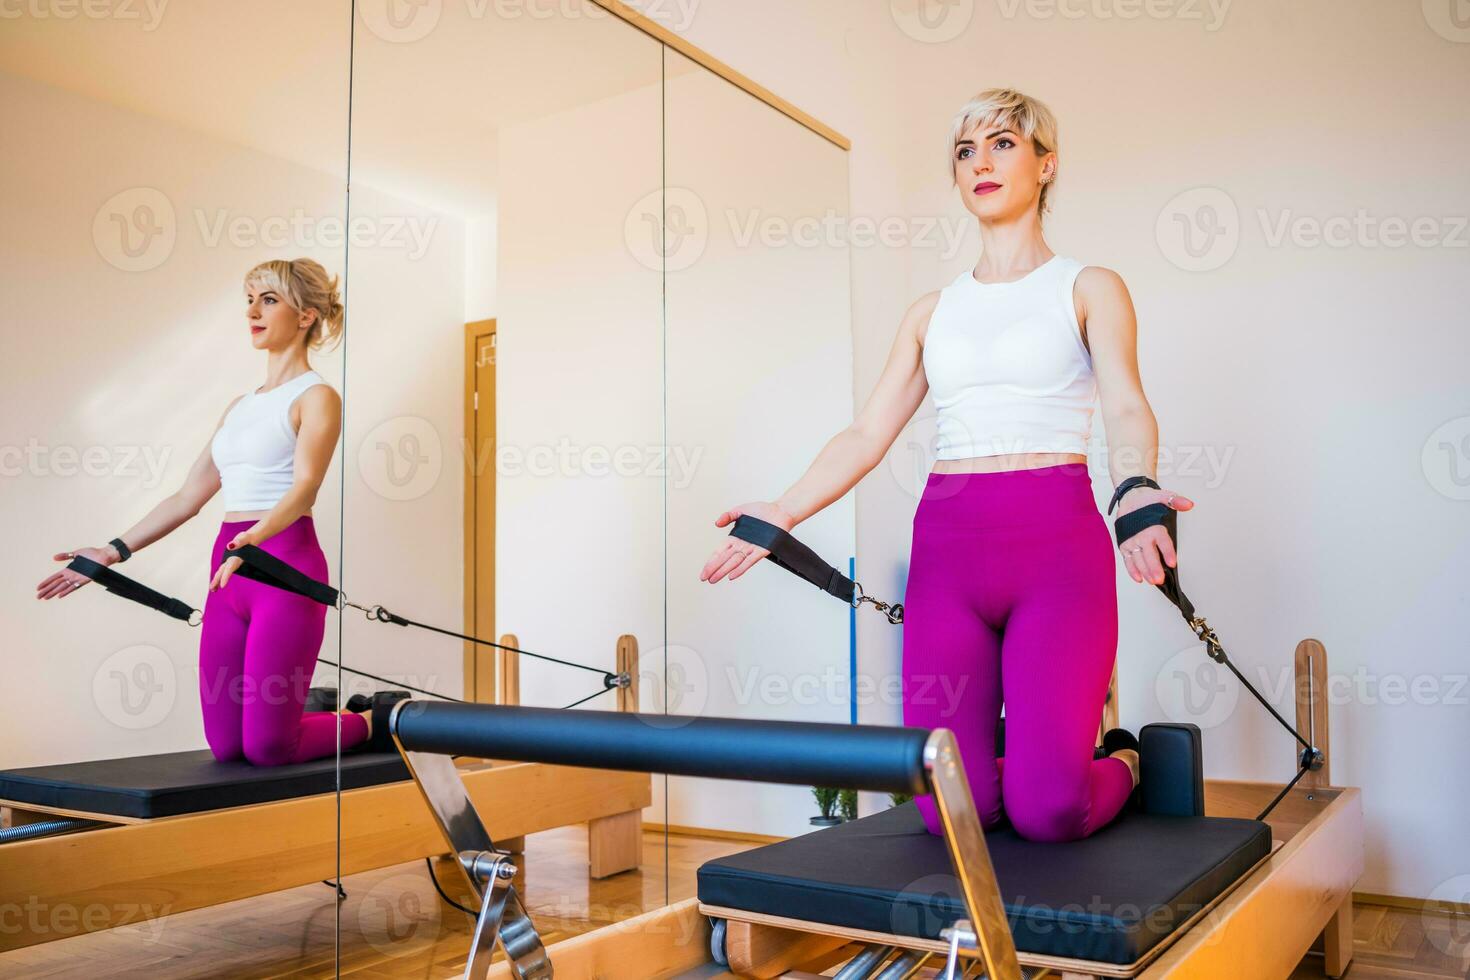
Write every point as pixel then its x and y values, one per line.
pixel 255 447
pixel 1007 365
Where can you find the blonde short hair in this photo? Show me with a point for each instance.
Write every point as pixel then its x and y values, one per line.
pixel 305 285
pixel 1005 108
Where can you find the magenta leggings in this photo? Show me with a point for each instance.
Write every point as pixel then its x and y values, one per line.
pixel 1011 599
pixel 257 651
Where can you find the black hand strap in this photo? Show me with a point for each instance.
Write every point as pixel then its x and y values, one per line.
pixel 262 566
pixel 123 551
pixel 800 560
pixel 119 584
pixel 793 556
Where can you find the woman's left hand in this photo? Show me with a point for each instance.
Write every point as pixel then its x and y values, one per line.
pixel 227 567
pixel 1146 553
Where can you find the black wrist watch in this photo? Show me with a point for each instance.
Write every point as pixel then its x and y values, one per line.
pixel 123 552
pixel 1129 484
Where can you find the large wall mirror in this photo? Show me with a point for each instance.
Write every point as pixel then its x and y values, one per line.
pixel 596 292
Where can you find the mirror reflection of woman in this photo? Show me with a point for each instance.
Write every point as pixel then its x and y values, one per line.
pixel 1011 596
pixel 270 451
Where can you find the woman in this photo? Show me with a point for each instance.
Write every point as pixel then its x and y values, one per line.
pixel 1010 597
pixel 258 644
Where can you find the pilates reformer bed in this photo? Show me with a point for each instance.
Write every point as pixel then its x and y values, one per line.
pixel 1184 884
pixel 126 840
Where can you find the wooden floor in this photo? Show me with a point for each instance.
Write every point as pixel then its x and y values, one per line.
pixel 393 924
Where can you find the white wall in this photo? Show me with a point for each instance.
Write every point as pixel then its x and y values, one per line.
pixel 1330 378
pixel 126 353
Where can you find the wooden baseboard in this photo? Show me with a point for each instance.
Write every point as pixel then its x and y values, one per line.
pixel 1406 903
pixel 677 830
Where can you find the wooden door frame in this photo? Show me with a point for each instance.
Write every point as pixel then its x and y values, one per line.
pixel 474 684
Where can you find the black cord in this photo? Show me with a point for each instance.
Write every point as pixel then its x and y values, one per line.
pixel 428 863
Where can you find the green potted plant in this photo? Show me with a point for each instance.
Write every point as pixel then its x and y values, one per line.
pixel 899 799
pixel 847 803
pixel 826 798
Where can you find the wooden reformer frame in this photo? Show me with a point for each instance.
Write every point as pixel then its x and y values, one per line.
pixel 1296 900
pixel 132 869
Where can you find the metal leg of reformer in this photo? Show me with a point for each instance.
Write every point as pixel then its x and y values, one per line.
pixel 989 933
pixel 488 872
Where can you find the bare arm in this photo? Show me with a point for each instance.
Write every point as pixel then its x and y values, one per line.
pixel 1132 430
pixel 849 455
pixel 852 453
pixel 199 486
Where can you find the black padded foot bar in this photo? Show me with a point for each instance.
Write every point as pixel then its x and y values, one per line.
pixel 853 756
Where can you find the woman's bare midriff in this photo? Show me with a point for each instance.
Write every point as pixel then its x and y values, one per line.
pixel 235 516
pixel 1006 461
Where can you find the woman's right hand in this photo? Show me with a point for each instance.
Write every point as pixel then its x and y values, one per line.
pixel 734 556
pixel 65 581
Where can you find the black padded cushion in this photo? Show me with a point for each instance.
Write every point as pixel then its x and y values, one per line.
pixel 1110 897
pixel 188 782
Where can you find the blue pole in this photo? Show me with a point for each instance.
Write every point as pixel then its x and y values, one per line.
pixel 852 649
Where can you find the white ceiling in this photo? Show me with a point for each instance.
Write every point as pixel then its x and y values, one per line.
pixel 425 111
